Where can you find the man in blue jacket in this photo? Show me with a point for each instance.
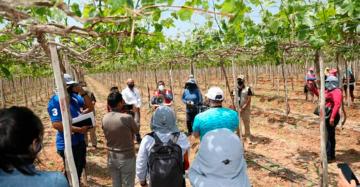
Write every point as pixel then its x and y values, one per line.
pixel 80 103
pixel 192 99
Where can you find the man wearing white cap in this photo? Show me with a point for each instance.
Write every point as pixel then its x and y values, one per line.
pixel 216 117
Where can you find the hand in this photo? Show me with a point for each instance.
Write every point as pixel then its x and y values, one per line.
pixel 143 183
pixel 83 129
pixel 331 122
pixel 342 182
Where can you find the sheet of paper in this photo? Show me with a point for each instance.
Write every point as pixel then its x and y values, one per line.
pixel 85 116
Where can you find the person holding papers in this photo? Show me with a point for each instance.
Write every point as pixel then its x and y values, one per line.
pixel 78 100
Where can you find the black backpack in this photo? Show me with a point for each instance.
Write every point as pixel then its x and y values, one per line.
pixel 165 163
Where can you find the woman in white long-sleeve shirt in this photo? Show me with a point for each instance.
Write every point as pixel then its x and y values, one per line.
pixel 220 161
pixel 163 123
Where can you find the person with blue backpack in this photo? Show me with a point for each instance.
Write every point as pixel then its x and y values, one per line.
pixel 163 154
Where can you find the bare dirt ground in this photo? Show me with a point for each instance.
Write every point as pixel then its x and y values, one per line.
pixel 285 151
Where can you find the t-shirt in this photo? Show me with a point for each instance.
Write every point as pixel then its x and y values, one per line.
pixel 215 118
pixel 76 103
pixel 40 179
pixel 119 130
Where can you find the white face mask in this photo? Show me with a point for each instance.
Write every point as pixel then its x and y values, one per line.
pixel 161 87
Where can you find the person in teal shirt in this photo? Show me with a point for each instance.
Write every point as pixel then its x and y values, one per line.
pixel 216 117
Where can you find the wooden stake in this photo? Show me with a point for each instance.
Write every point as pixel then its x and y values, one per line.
pixel 237 106
pixel 65 114
pixel 324 172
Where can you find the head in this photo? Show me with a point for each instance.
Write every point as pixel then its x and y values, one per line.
pixel 21 135
pixel 114 89
pixel 161 85
pixel 191 84
pixel 221 156
pixel 71 85
pixel 311 70
pixel 115 101
pixel 333 72
pixel 215 96
pixel 241 81
pixel 164 120
pixel 130 83
pixel 331 83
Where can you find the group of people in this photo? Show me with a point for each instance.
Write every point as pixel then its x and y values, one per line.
pixel 333 101
pixel 163 155
pixel 347 79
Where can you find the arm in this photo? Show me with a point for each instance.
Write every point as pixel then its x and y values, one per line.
pixel 196 127
pixel 183 97
pixel 186 160
pixel 138 98
pixel 88 105
pixel 337 98
pixel 247 103
pixel 141 161
pixel 133 126
pixel 200 97
pixel 169 95
pixel 59 126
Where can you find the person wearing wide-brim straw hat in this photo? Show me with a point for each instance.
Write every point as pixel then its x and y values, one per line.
pixel 244 99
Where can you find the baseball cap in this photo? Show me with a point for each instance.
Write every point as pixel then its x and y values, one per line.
pixel 241 77
pixel 68 79
pixel 215 93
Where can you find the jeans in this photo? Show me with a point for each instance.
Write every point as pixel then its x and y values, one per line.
pixel 122 171
pixel 79 154
pixel 190 116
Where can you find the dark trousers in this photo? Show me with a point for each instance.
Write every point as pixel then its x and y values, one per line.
pixel 79 153
pixel 190 116
pixel 331 141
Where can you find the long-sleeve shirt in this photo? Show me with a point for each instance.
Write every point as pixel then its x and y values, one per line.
pixel 192 95
pixel 145 147
pixel 132 97
pixel 333 100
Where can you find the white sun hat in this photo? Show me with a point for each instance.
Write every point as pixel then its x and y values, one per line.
pixel 215 93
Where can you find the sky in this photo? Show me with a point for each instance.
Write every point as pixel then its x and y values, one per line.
pixel 183 29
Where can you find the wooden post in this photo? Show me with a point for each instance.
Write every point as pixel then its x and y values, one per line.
pixel 237 106
pixel 287 106
pixel 3 100
pixel 323 134
pixel 227 82
pixel 348 99
pixel 65 114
